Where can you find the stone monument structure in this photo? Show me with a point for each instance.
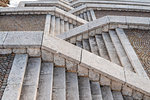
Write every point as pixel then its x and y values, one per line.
pixel 75 50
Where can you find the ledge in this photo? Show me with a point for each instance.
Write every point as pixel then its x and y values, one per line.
pixel 109 7
pixel 42 10
pixel 106 23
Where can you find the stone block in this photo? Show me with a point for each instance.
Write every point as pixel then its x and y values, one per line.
pixel 146 98
pixel 79 38
pixel 126 90
pixel 23 39
pixel 137 95
pixel 73 40
pixel 93 75
pixel 116 86
pixel 98 30
pixel 92 33
pixel 82 71
pixel 47 56
pixel 2 38
pixel 59 61
pixel 34 52
pixel 104 80
pixel 85 35
pixel 71 66
pixel 5 51
pixel 20 50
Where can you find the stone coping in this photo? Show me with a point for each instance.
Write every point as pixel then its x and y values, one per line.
pixel 55 2
pixel 35 43
pixel 124 2
pixel 106 23
pixel 86 7
pixel 42 10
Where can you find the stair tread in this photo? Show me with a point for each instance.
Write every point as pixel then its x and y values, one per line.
pixel 93 45
pixel 96 91
pixel 79 44
pixel 101 47
pixel 52 29
pixel 15 79
pixel 86 45
pixel 59 84
pixel 117 95
pixel 84 88
pixel 120 51
pixel 110 48
pixel 106 93
pixel 72 86
pixel 31 79
pixel 45 82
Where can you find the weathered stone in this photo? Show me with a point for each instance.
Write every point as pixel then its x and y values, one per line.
pixel 5 51
pixel 59 61
pixel 20 50
pixel 71 66
pixel 93 75
pixel 116 86
pixel 126 90
pixel 47 56
pixel 137 95
pixel 82 71
pixel 34 52
pixel 104 80
pixel 146 98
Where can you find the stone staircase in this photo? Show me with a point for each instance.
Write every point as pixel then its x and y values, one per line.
pixel 36 80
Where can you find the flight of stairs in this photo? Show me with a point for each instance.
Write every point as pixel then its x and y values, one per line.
pixel 39 80
pixel 108 46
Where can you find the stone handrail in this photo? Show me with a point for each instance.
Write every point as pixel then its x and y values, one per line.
pixel 56 2
pixel 42 10
pixel 109 7
pixel 106 23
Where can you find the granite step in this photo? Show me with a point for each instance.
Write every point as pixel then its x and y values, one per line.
pixel 117 95
pixel 59 84
pixel 87 16
pixel 31 79
pixel 106 93
pixel 46 82
pixel 84 88
pixel 96 91
pixel 72 91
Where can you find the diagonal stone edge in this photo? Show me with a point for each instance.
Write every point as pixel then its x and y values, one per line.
pixel 106 23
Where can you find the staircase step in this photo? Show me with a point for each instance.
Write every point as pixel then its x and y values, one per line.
pixel 93 45
pixel 128 98
pixel 59 84
pixel 106 93
pixel 15 79
pixel 31 79
pixel 120 51
pixel 84 88
pixel 101 47
pixel 85 16
pixel 131 53
pixel 70 26
pixel 86 44
pixel 117 95
pixel 45 82
pixel 89 16
pixel 92 14
pixel 96 91
pixel 66 26
pixel 72 86
pixel 110 48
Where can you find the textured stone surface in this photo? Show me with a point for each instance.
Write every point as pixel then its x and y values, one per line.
pixel 47 56
pixel 82 71
pixel 22 23
pixel 116 86
pixel 126 91
pixel 59 61
pixel 104 80
pixel 71 66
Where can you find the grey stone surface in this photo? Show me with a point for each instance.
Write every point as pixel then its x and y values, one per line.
pixel 126 91
pixel 93 75
pixel 47 56
pixel 96 91
pixel 104 80
pixel 106 93
pixel 31 79
pixel 59 61
pixel 72 91
pixel 23 39
pixel 59 84
pixel 45 82
pixel 15 79
pixel 84 88
pixel 2 38
pixel 117 95
pixel 71 66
